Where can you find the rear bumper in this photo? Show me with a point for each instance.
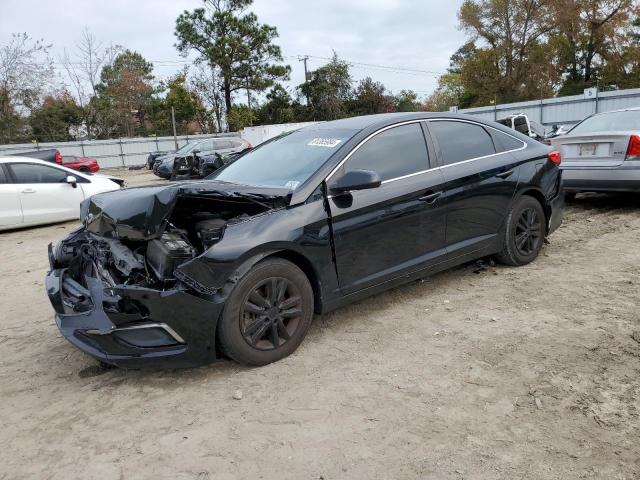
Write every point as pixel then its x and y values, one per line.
pixel 135 327
pixel 557 211
pixel 625 178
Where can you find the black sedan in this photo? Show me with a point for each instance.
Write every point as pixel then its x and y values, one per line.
pixel 237 264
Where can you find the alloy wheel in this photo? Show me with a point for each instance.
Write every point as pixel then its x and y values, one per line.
pixel 528 232
pixel 271 313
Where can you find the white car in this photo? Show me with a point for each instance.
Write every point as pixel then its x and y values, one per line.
pixel 35 192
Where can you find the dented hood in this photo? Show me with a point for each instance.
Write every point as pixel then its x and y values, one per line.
pixel 140 213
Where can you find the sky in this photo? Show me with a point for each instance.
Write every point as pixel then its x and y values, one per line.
pixel 404 44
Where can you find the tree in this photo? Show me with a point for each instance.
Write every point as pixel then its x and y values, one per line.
pixel 513 35
pixel 240 116
pixel 206 84
pixel 329 90
pixel 25 71
pixel 371 97
pixel 588 32
pixel 407 101
pixel 126 88
pixel 58 119
pixel 228 39
pixel 278 108
pixel 83 67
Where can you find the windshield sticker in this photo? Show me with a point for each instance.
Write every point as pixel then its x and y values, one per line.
pixel 292 184
pixel 324 142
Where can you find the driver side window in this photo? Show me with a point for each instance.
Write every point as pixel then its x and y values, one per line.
pixel 393 153
pixel 35 173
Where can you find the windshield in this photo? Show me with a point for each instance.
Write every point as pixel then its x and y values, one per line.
pixel 610 122
pixel 186 148
pixel 287 161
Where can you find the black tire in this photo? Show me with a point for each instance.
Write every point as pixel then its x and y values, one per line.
pixel 263 305
pixel 570 196
pixel 524 233
pixel 84 170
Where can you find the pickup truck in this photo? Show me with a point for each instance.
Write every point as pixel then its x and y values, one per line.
pixel 49 155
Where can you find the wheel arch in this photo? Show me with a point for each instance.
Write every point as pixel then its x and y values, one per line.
pixel 539 196
pixel 304 264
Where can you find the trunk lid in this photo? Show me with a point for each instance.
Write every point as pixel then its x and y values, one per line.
pixel 596 150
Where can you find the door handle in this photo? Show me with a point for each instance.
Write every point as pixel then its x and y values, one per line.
pixel 430 197
pixel 28 190
pixel 506 174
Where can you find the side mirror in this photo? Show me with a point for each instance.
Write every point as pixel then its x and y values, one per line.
pixel 73 181
pixel 356 180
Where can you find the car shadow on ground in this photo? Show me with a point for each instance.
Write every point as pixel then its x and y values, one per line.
pixel 605 201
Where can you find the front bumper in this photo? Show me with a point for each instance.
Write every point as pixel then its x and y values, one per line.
pixel 625 178
pixel 135 327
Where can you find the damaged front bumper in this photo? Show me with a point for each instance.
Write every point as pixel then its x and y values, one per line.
pixel 132 326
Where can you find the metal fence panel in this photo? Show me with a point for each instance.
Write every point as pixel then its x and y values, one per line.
pixel 563 110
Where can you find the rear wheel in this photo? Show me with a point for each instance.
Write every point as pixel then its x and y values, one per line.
pixel 524 233
pixel 267 314
pixel 84 169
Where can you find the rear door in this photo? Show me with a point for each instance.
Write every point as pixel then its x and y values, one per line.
pixel 481 178
pixel 10 208
pixel 396 228
pixel 44 193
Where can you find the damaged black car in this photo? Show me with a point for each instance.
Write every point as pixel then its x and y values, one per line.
pixel 237 264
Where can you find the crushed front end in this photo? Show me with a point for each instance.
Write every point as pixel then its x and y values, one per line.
pixel 116 285
pixel 109 303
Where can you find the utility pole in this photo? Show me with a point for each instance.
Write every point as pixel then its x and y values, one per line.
pixel 173 122
pixel 304 59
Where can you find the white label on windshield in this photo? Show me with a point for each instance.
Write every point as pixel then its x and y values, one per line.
pixel 324 142
pixel 292 184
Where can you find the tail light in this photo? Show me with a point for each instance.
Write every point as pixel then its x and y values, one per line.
pixel 58 157
pixel 555 157
pixel 633 151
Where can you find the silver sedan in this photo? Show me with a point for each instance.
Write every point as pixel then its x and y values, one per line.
pixel 602 153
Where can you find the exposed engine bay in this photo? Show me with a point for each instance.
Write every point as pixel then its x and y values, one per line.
pixel 193 224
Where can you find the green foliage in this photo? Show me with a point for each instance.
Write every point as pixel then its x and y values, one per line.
pixel 234 42
pixel 57 119
pixel 370 98
pixel 240 116
pixel 329 90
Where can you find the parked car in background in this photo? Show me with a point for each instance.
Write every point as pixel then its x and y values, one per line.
pixel 521 123
pixel 82 164
pixel 34 192
pixel 186 161
pixel 178 274
pixel 602 153
pixel 48 155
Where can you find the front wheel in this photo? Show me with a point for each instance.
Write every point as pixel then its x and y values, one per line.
pixel 267 314
pixel 524 233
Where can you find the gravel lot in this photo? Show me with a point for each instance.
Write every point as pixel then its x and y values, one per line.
pixel 477 373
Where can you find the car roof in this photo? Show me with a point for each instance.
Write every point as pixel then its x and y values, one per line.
pixel 383 119
pixel 37 161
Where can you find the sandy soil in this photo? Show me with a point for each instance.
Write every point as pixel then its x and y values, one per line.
pixel 477 373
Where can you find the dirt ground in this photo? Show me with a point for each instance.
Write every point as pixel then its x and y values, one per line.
pixel 477 373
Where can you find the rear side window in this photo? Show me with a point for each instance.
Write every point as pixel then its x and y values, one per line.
pixel 33 173
pixel 505 143
pixel 393 153
pixel 3 176
pixel 461 141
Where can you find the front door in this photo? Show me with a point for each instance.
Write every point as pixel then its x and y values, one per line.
pixel 45 194
pixel 396 228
